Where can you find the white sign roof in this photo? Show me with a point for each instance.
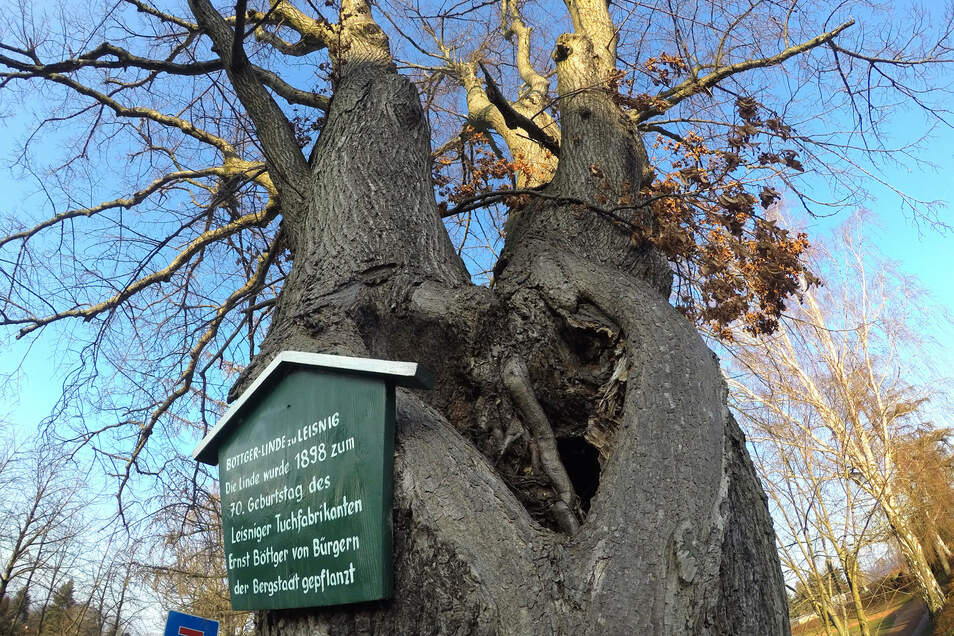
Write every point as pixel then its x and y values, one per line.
pixel 409 374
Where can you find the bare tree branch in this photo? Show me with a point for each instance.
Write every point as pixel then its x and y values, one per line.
pixel 287 165
pixel 256 219
pixel 694 85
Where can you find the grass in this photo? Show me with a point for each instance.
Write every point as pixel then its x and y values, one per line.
pixel 877 625
pixel 881 617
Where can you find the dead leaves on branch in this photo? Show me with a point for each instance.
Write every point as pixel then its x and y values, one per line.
pixel 736 269
pixel 742 267
pixel 664 69
pixel 476 168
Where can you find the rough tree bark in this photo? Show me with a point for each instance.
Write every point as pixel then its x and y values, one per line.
pixel 667 530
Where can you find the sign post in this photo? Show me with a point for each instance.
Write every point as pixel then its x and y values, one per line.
pixel 305 460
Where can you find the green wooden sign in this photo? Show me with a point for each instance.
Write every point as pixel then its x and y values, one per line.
pixel 305 462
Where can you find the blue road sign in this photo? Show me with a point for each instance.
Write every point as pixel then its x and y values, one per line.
pixel 179 624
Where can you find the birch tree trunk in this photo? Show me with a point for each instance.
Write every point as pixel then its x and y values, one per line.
pixel 849 564
pixel 913 554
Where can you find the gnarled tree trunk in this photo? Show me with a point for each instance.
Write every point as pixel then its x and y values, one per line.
pixel 575 469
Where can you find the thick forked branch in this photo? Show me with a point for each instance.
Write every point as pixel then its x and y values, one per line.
pixel 591 19
pixel 530 133
pixel 517 380
pixel 291 94
pixel 255 219
pixel 512 24
pixel 694 84
pixel 314 35
pixel 284 158
pixel 515 120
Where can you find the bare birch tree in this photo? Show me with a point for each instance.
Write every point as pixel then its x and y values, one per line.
pixel 926 475
pixel 825 524
pixel 838 382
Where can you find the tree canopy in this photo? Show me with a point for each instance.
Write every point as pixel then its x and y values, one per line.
pixel 172 255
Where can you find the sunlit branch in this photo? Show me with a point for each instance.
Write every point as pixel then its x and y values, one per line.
pixel 873 59
pixel 136 198
pixel 184 382
pixel 514 119
pixel 591 18
pixel 693 85
pixel 314 34
pixel 291 94
pixel 284 158
pixel 125 59
pixel 512 24
pixel 529 132
pixel 255 219
pixel 140 112
pixel 147 8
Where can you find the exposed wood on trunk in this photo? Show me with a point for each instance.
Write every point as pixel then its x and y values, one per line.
pixel 517 380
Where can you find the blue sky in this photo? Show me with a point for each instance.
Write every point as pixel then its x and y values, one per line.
pixel 919 248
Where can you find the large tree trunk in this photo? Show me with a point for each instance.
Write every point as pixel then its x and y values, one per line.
pixel 677 538
pixel 575 470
